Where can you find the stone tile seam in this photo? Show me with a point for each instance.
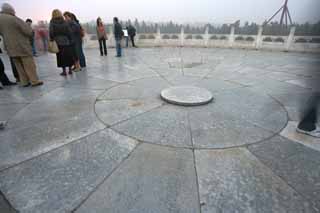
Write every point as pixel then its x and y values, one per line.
pixel 197 180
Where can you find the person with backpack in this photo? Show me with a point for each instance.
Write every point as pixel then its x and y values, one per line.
pixel 118 34
pixel 102 37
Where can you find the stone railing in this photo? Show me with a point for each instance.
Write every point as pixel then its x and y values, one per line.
pixel 232 40
pixel 268 42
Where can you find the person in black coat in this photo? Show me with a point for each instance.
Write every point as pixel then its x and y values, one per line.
pixel 132 34
pixel 118 34
pixel 60 32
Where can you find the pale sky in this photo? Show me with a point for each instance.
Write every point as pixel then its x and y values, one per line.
pixel 211 11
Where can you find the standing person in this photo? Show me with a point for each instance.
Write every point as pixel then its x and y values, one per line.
pixel 60 32
pixel 76 39
pixel 102 37
pixel 118 34
pixel 43 33
pixel 82 58
pixel 132 34
pixel 16 35
pixel 33 45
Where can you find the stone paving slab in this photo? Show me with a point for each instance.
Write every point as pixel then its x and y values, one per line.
pixel 60 180
pixel 217 129
pixel 115 111
pixel 234 180
pixel 7 111
pixel 54 120
pixel 300 169
pixel 153 179
pixel 149 88
pixel 167 125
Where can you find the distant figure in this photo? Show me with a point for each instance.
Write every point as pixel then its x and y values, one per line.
pixel 43 34
pixel 102 37
pixel 132 34
pixel 60 32
pixel 34 51
pixel 126 36
pixel 118 34
pixel 308 123
pixel 17 35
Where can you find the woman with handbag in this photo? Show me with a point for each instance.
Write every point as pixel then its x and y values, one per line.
pixel 102 37
pixel 60 33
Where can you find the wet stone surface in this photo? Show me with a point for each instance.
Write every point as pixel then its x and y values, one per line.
pixel 103 139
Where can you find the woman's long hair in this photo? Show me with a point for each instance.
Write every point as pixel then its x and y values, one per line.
pixel 99 22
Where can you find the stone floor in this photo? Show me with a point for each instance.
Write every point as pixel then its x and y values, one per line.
pixel 103 140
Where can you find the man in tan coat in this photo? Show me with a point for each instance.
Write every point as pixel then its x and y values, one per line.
pixel 16 36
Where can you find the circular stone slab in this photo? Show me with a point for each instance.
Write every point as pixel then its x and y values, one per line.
pixel 186 96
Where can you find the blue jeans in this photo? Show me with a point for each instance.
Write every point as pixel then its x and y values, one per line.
pixel 118 47
pixel 34 50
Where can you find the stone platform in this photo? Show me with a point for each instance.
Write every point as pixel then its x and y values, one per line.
pixel 102 140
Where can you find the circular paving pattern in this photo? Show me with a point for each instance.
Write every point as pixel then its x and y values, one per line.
pixel 237 117
pixel 187 96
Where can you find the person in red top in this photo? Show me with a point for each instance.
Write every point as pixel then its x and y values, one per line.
pixel 102 37
pixel 43 33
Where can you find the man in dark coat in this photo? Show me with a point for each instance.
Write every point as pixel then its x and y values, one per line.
pixel 132 34
pixel 118 34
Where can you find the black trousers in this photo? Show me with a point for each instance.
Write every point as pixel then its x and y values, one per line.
pixel 3 77
pixel 14 70
pixel 309 118
pixel 103 46
pixel 132 41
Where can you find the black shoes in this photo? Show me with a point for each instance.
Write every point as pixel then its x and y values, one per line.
pixel 9 83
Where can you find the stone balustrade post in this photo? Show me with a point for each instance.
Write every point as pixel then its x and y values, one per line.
pixel 182 37
pixel 259 38
pixel 231 36
pixel 290 38
pixel 158 36
pixel 206 37
pixel 111 37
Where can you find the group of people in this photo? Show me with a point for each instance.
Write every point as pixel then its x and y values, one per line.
pixel 66 31
pixel 119 34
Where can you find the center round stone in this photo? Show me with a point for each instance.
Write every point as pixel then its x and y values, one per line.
pixel 186 96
